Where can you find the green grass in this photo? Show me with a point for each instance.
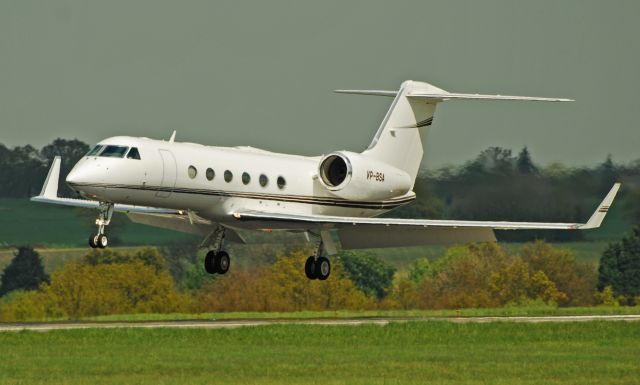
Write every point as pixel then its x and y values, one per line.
pixel 24 222
pixel 488 312
pixel 401 353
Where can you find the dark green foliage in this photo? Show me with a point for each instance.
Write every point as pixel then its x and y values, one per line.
pixel 25 271
pixel 149 256
pixel 524 164
pixel 620 267
pixel 371 275
pixel 70 151
pixel 25 168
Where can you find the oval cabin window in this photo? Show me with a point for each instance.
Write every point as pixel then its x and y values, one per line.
pixel 210 174
pixel 192 172
pixel 264 181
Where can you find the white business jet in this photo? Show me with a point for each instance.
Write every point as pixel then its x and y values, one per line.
pixel 215 191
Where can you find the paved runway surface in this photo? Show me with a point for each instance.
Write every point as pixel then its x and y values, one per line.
pixel 225 324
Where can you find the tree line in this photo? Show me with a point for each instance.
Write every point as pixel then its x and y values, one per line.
pixel 483 275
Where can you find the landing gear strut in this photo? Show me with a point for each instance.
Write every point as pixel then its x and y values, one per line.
pixel 318 266
pixel 100 240
pixel 217 260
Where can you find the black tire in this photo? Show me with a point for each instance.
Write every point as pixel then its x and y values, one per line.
pixel 209 262
pixel 222 262
pixel 92 241
pixel 322 268
pixel 310 267
pixel 102 241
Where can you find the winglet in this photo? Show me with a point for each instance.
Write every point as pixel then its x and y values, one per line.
pixel 598 216
pixel 173 136
pixel 50 187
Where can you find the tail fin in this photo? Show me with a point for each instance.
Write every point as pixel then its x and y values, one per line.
pixel 399 140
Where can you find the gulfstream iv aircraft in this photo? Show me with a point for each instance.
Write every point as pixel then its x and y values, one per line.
pixel 216 191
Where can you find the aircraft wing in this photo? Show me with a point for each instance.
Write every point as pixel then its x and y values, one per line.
pixel 355 232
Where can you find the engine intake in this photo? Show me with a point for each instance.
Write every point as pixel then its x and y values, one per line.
pixel 335 170
pixel 353 176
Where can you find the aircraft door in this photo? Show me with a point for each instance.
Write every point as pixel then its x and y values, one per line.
pixel 169 174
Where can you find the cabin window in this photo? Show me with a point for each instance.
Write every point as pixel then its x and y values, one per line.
pixel 246 178
pixel 114 151
pixel 192 172
pixel 281 182
pixel 210 174
pixel 228 176
pixel 133 153
pixel 94 151
pixel 263 180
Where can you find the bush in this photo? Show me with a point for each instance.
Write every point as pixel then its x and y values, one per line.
pixel 99 285
pixel 282 287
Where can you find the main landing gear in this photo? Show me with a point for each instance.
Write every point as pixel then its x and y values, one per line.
pixel 317 266
pixel 100 240
pixel 217 261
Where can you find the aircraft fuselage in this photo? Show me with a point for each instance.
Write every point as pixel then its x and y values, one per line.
pixel 214 182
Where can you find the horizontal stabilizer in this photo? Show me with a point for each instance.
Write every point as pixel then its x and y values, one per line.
pixel 439 97
pixel 368 92
pixel 442 95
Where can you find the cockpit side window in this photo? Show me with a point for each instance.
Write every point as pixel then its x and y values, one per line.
pixel 114 151
pixel 133 153
pixel 94 151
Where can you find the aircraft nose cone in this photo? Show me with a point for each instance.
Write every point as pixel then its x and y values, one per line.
pixel 78 176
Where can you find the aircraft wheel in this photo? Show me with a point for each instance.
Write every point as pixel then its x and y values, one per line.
pixel 209 265
pixel 222 262
pixel 102 241
pixel 93 241
pixel 310 267
pixel 323 268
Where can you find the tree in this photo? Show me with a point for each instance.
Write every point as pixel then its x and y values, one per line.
pixel 71 151
pixel 620 267
pixel 370 274
pixel 576 280
pixel 524 164
pixel 24 272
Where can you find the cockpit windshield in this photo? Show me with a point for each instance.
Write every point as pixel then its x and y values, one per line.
pixel 94 151
pixel 114 151
pixel 133 153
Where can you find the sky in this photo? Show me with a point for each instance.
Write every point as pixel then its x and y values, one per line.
pixel 261 73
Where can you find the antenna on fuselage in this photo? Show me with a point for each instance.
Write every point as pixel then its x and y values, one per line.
pixel 173 136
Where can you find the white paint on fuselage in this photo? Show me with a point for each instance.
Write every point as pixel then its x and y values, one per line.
pixel 132 181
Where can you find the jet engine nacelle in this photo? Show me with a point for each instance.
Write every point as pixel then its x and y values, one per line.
pixel 354 176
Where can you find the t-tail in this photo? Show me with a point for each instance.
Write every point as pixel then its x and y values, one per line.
pixel 401 137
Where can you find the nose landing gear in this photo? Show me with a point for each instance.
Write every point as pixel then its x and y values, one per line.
pixel 100 240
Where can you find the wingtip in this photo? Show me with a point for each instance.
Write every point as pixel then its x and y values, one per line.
pixel 603 208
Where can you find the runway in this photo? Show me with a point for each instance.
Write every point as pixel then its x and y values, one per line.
pixel 230 324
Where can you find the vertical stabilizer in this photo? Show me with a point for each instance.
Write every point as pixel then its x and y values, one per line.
pixel 399 140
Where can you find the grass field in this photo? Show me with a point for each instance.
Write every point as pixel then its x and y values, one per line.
pixel 486 312
pixel 410 353
pixel 25 222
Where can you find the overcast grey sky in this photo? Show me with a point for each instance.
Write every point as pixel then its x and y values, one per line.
pixel 261 73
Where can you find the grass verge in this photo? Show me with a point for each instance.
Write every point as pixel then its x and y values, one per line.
pixel 405 353
pixel 495 312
